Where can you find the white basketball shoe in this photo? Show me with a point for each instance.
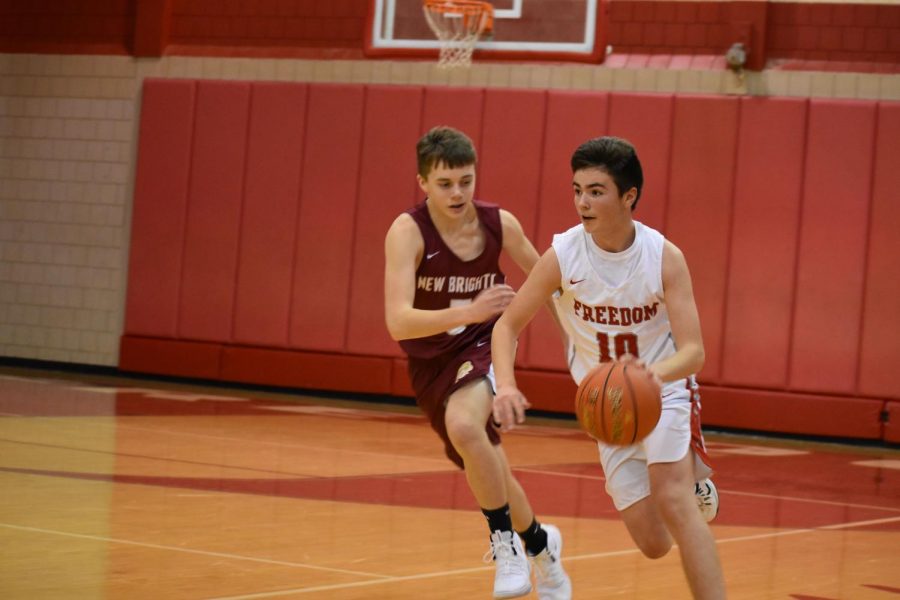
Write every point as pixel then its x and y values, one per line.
pixel 552 581
pixel 513 571
pixel 707 499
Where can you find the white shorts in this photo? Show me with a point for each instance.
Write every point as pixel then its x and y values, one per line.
pixel 625 467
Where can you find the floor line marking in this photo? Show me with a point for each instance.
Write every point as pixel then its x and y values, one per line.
pixel 331 451
pixel 861 523
pixel 559 474
pixel 810 500
pixel 357 584
pixel 267 561
pixel 442 461
pixel 155 458
pixel 723 491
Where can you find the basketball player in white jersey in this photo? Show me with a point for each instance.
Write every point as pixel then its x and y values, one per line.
pixel 625 293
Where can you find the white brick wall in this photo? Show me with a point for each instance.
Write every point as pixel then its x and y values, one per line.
pixel 67 148
pixel 66 154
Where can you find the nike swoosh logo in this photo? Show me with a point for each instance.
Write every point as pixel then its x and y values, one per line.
pixel 432 255
pixel 481 343
pixel 576 281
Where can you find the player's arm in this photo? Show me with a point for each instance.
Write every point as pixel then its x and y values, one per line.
pixel 403 248
pixel 516 243
pixel 683 317
pixel 523 253
pixel 509 403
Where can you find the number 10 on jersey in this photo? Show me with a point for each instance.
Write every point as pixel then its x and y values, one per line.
pixel 622 344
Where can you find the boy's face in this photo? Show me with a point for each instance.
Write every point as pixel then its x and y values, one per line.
pixel 597 197
pixel 449 190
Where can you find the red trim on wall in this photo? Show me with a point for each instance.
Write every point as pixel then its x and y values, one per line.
pixel 151 27
pixel 21 46
pixel 170 357
pixel 892 422
pixel 859 36
pixel 67 27
pixel 786 412
pixel 266 23
pixel 867 33
pixel 314 370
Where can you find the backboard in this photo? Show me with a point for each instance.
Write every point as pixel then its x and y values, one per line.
pixel 569 30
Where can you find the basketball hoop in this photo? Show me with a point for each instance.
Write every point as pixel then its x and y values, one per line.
pixel 458 25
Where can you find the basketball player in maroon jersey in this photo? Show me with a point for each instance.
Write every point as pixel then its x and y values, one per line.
pixel 443 292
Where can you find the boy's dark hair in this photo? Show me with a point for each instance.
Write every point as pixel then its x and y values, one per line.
pixel 446 145
pixel 615 156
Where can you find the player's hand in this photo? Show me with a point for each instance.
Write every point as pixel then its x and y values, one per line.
pixel 509 408
pixel 630 359
pixel 491 302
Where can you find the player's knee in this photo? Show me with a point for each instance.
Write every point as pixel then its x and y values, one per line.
pixel 647 530
pixel 654 547
pixel 676 506
pixel 463 432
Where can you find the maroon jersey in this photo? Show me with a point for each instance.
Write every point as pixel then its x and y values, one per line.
pixel 444 280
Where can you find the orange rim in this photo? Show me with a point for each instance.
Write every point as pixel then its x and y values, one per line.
pixel 457 6
pixel 463 8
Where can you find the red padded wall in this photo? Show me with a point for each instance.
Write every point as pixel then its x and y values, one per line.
pixel 260 212
pixel 645 120
pixel 760 298
pixel 315 370
pixel 833 229
pixel 511 153
pixel 170 357
pixel 387 175
pixel 457 107
pixel 160 205
pixel 880 347
pixel 785 412
pixel 892 425
pixel 698 218
pixel 327 211
pixel 572 118
pixel 511 159
pixel 548 390
pixel 269 219
pixel 400 384
pixel 214 211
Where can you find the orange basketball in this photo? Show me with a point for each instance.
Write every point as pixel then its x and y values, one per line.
pixel 618 403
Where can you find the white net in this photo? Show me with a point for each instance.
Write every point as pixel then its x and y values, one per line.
pixel 458 25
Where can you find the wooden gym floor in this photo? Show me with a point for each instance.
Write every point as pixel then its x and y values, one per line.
pixel 120 488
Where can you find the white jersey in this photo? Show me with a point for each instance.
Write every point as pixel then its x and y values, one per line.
pixel 612 303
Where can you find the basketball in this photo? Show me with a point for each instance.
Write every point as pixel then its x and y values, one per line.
pixel 618 403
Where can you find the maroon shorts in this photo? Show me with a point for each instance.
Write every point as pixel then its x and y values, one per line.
pixel 434 380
